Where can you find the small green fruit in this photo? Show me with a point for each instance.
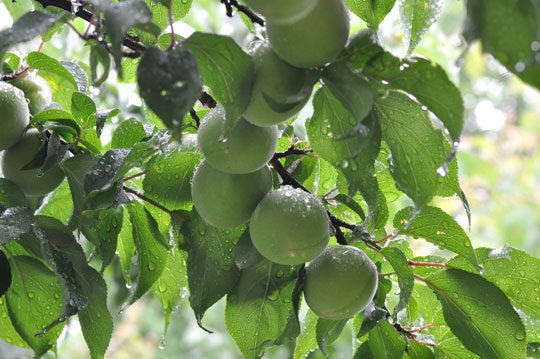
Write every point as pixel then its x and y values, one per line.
pixel 340 282
pixel 315 39
pixel 284 11
pixel 280 90
pixel 246 148
pixel 290 226
pixel 14 115
pixel 227 200
pixel 36 90
pixel 31 181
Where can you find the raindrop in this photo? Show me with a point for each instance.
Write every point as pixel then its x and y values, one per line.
pixel 162 343
pixel 30 295
pixel 520 334
pixel 151 266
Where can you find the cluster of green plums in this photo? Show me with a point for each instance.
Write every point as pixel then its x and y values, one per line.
pixel 233 184
pixel 20 98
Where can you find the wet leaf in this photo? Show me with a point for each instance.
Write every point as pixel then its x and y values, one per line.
pixel 385 342
pixel 372 12
pixel 405 275
pixel 416 17
pixel 327 332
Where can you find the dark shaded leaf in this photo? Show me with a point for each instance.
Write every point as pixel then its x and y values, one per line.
pixel 11 195
pixel 151 248
pixel 211 270
pixel 169 83
pixel 327 331
pixel 26 28
pixel 78 74
pixel 14 222
pixel 362 47
pixel 5 278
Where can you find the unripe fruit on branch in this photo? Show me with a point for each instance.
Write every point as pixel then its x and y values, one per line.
pixel 32 182
pixel 36 90
pixel 284 11
pixel 14 115
pixel 315 39
pixel 279 89
pixel 227 200
pixel 340 282
pixel 246 148
pixel 290 226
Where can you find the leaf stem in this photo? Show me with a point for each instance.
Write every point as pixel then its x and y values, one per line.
pixel 426 264
pixel 134 176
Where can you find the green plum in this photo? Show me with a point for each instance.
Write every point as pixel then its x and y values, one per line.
pixel 246 148
pixel 284 11
pixel 340 282
pixel 227 200
pixel 36 90
pixel 315 39
pixel 32 182
pixel 290 226
pixel 14 115
pixel 279 91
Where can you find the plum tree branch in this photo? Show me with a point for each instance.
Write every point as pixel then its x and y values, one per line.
pixel 243 9
pixel 153 203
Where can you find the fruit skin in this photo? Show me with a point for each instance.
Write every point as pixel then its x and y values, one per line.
pixel 21 154
pixel 284 11
pixel 287 86
pixel 340 282
pixel 36 90
pixel 290 226
pixel 315 39
pixel 14 115
pixel 245 149
pixel 227 200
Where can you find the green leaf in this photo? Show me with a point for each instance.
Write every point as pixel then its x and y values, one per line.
pixel 59 205
pixel 416 17
pixel 261 308
pixel 373 315
pixel 169 83
pixel 508 30
pixel 19 8
pixel 11 195
pixel 245 253
pixel 479 314
pixel 327 332
pixel 5 269
pixel 307 340
pixel 333 134
pixel 405 275
pixel 84 110
pixel 427 81
pixel 418 351
pixel 26 28
pixel 126 247
pixel 168 180
pixel 101 177
pixel 417 148
pixel 439 228
pixel 226 69
pixel 33 301
pixel 99 56
pixel 372 12
pixel 385 342
pixel 59 78
pixel 128 133
pixel 430 309
pixel 211 270
pixel 95 319
pixel 151 248
pixel 363 352
pixel 354 93
pixel 170 288
pixel 105 235
pixel 361 48
pixel 513 271
pixel 76 169
pixel 8 332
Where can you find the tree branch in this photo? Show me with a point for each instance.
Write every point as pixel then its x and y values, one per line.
pixel 153 203
pixel 89 16
pixel 243 9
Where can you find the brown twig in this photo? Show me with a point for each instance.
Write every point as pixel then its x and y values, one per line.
pixel 153 203
pixel 426 264
pixel 243 9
